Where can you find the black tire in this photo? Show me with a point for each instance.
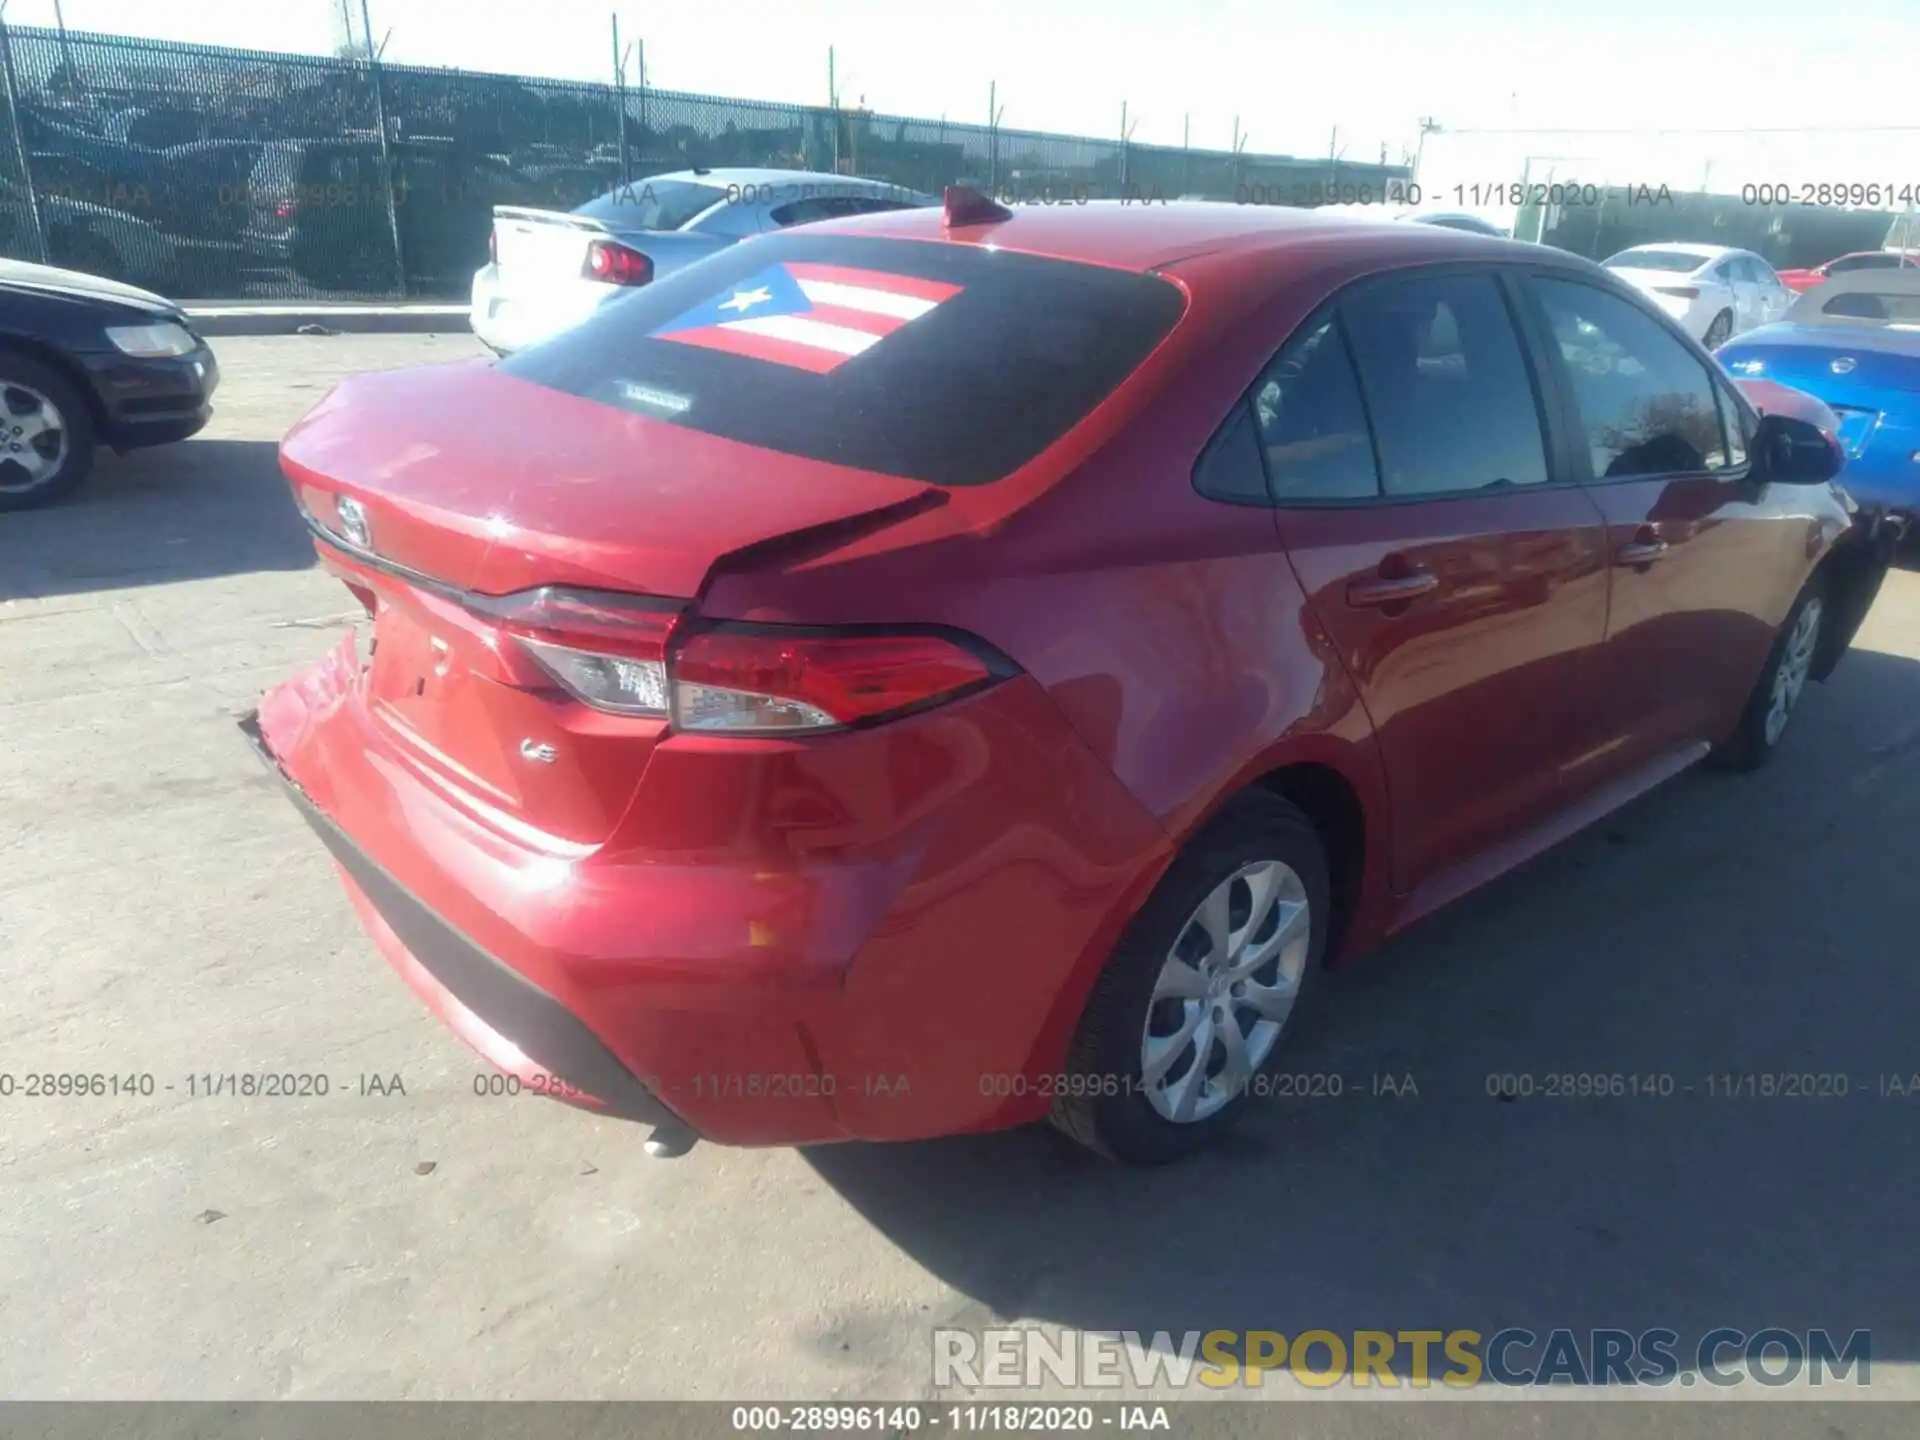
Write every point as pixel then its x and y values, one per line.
pixel 22 375
pixel 1751 745
pixel 1103 1102
pixel 1719 331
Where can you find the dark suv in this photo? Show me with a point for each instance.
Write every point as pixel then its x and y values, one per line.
pixel 319 209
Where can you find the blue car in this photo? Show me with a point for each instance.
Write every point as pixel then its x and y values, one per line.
pixel 1854 344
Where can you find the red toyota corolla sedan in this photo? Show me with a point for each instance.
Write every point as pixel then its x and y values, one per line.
pixel 934 671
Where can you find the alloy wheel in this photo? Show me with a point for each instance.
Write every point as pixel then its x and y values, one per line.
pixel 1225 991
pixel 33 438
pixel 1796 662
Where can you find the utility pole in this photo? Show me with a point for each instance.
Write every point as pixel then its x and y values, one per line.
pixel 641 45
pixel 1123 145
pixel 1428 126
pixel 620 100
pixel 66 50
pixel 386 150
pixel 993 136
pixel 833 105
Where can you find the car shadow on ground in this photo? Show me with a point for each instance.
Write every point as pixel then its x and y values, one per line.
pixel 1723 926
pixel 202 508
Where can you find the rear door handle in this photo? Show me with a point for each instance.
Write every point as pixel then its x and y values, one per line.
pixel 1385 591
pixel 1645 548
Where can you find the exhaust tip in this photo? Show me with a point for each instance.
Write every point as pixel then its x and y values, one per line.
pixel 670 1142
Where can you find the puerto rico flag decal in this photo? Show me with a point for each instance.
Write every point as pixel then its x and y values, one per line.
pixel 810 317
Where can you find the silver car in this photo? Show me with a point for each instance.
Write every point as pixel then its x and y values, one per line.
pixel 551 269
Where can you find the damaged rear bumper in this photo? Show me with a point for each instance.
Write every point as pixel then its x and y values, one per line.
pixel 510 1020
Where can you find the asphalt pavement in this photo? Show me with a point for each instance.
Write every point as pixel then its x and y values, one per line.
pixel 164 913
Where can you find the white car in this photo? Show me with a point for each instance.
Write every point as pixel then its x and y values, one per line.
pixel 551 269
pixel 1713 291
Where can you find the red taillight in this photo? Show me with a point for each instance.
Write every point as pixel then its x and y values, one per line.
pixel 615 264
pixel 286 209
pixel 629 655
pixel 767 681
pixel 1685 292
pixel 606 650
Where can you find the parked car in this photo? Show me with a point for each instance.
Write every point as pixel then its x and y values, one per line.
pixel 1456 220
pixel 84 236
pixel 319 209
pixel 1800 281
pixel 1445 219
pixel 1714 292
pixel 86 362
pixel 550 269
pixel 208 199
pixel 934 671
pixel 1854 343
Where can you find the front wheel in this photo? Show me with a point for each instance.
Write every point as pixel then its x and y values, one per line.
pixel 1763 723
pixel 1192 1008
pixel 46 434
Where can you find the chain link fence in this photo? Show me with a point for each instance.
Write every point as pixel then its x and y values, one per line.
pixel 209 173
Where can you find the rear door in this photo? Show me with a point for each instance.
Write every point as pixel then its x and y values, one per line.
pixel 1721 283
pixel 1775 298
pixel 1705 562
pixel 1748 309
pixel 1457 571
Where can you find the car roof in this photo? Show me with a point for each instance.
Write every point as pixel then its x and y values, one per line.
pixel 1134 235
pixel 755 175
pixel 1889 281
pixel 1680 247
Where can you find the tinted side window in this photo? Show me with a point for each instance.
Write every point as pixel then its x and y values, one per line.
pixel 1647 405
pixel 1864 262
pixel 1312 426
pixel 738 220
pixel 1445 382
pixel 420 169
pixel 801 212
pixel 1229 468
pixel 335 167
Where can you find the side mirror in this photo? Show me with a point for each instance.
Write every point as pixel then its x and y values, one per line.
pixel 1793 452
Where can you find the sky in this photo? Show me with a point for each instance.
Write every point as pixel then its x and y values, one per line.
pixel 1301 76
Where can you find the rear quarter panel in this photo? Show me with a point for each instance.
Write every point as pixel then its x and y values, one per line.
pixel 1168 630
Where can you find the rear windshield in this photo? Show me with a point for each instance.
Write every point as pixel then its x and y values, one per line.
pixel 1676 261
pixel 1863 262
pixel 653 204
pixel 1900 308
pixel 949 364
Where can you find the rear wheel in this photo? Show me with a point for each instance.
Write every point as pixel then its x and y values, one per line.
pixel 1719 330
pixel 1763 723
pixel 46 434
pixel 1193 1006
